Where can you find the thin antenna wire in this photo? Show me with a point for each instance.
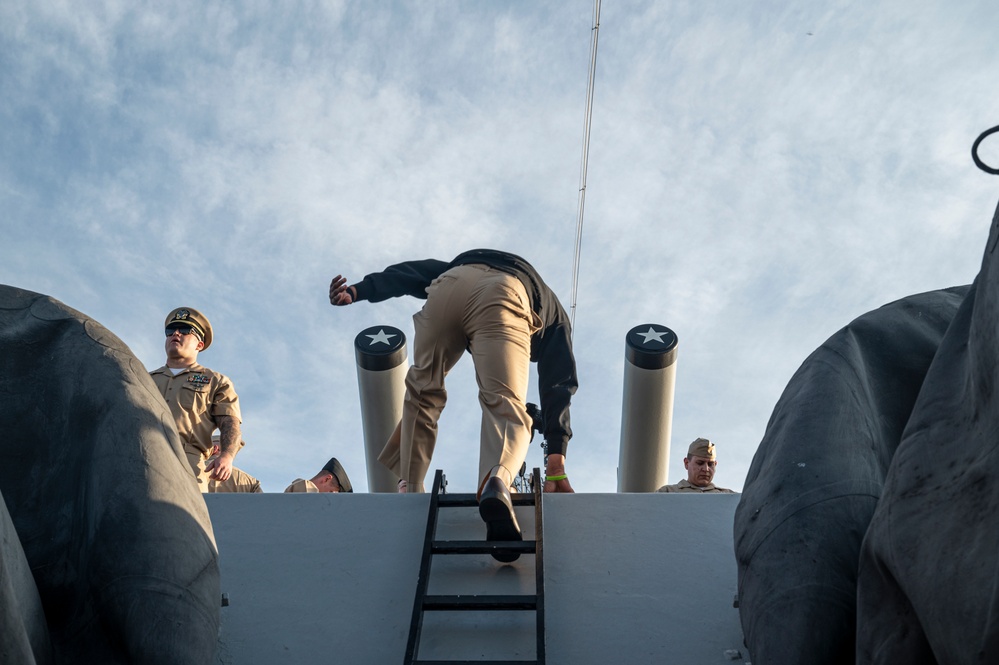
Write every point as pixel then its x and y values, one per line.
pixel 594 34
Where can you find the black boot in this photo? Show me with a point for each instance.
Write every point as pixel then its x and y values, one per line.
pixel 496 510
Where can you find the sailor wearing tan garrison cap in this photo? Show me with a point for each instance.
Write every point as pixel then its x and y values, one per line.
pixel 700 464
pixel 200 399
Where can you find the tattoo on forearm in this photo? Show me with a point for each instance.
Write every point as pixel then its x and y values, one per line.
pixel 228 434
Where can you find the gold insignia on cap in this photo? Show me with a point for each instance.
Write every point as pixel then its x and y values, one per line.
pixel 194 318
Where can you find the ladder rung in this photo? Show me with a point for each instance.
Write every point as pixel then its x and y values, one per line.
pixel 467 602
pixel 483 547
pixel 475 662
pixel 464 500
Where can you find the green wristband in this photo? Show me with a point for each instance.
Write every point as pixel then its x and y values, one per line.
pixel 562 477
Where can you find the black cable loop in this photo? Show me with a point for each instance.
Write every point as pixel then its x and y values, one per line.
pixel 974 152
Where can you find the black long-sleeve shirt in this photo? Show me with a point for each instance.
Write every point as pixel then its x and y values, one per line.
pixel 551 346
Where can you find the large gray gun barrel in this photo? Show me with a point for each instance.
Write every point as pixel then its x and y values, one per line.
pixel 647 414
pixel 382 363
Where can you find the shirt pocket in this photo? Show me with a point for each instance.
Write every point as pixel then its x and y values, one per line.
pixel 194 399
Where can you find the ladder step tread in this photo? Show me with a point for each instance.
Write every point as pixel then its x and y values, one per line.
pixel 483 546
pixel 475 662
pixel 464 500
pixel 483 602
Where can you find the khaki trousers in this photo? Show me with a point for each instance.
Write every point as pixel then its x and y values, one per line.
pixel 197 460
pixel 488 312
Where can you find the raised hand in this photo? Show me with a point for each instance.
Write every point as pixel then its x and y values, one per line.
pixel 340 293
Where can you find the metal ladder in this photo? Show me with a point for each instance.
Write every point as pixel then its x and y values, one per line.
pixel 479 603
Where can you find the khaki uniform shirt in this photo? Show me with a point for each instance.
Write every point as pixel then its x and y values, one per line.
pixel 196 397
pixel 685 486
pixel 239 481
pixel 301 485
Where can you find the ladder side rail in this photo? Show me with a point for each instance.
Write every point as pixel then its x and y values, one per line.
pixel 423 581
pixel 539 565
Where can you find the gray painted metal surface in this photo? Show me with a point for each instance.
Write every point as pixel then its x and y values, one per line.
pixel 630 578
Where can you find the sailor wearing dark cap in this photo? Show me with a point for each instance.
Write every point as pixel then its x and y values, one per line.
pixel 700 463
pixel 188 317
pixel 200 399
pixel 332 478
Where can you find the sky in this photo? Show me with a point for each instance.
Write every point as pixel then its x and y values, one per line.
pixel 760 173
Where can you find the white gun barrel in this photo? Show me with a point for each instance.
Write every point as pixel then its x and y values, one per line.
pixel 647 414
pixel 382 363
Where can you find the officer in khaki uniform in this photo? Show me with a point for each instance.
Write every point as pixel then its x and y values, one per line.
pixel 332 478
pixel 700 464
pixel 200 399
